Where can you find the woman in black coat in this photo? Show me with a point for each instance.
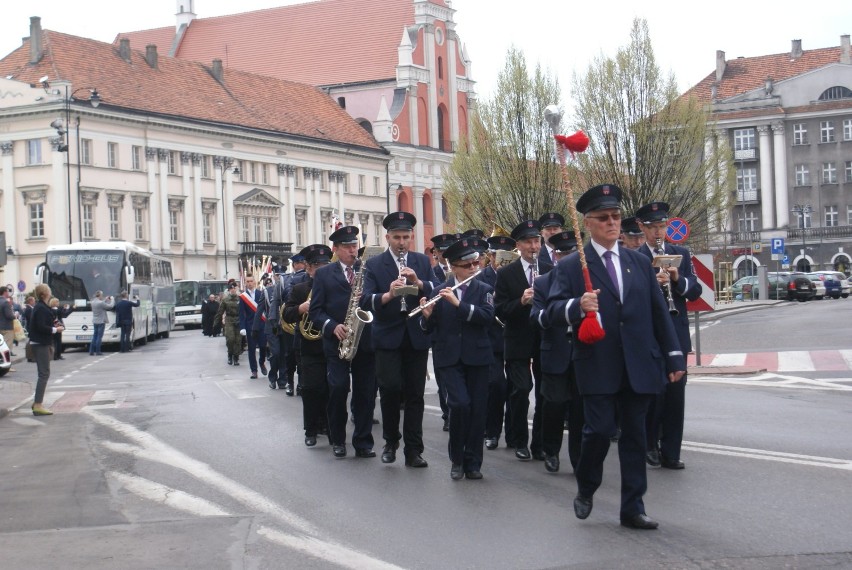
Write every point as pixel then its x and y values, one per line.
pixel 59 314
pixel 43 327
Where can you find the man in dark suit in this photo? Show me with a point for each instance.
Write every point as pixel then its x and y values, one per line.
pixel 625 369
pixel 289 360
pixel 459 324
pixel 312 354
pixel 665 418
pixel 248 308
pixel 558 385
pixel 498 387
pixel 551 224
pixel 124 319
pixel 330 296
pixel 266 325
pixel 513 296
pixel 394 282
pixel 632 236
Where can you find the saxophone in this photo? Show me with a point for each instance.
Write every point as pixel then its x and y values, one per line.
pixel 356 318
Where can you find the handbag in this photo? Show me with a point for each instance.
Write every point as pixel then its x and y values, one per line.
pixel 20 333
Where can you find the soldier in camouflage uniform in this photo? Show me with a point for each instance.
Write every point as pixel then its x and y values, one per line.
pixel 230 309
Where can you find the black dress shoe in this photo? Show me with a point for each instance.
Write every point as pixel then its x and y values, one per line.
pixel 640 521
pixel 583 507
pixel 446 424
pixel 456 472
pixel 365 453
pixel 230 359
pixel 310 440
pixel 473 475
pixel 672 463
pixel 523 453
pixel 490 443
pixel 272 385
pixel 539 455
pixel 415 461
pixel 339 450
pixel 389 452
pixel 263 370
pixel 253 376
pixel 289 390
pixel 236 361
pixel 551 463
pixel 652 458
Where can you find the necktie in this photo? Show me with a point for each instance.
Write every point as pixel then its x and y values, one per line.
pixel 350 275
pixel 531 277
pixel 553 257
pixel 610 268
pixel 462 290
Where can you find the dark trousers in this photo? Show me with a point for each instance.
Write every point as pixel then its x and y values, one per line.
pixel 363 372
pixel 256 345
pixel 665 419
pixel 314 393
pixel 467 399
pixel 97 337
pixel 126 329
pixel 57 346
pixel 273 350
pixel 287 363
pixel 521 377
pixel 601 416
pixel 43 354
pixel 560 400
pixel 498 390
pixel 442 393
pixel 401 376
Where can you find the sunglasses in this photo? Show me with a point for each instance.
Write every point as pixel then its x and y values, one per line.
pixel 466 265
pixel 615 217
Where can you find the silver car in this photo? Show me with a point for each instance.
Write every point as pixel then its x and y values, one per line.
pixel 5 357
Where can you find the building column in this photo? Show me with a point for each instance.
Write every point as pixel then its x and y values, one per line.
pixel 418 213
pixel 284 199
pixel 341 186
pixel 782 207
pixel 231 220
pixel 413 122
pixel 767 190
pixel 163 201
pixel 432 88
pixel 219 185
pixel 187 164
pixel 195 205
pixel 452 82
pixel 154 215
pixel 291 209
pixel 438 211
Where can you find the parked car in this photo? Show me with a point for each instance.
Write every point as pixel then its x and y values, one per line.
pixel 748 288
pixel 5 357
pixel 749 283
pixel 798 286
pixel 842 287
pixel 821 289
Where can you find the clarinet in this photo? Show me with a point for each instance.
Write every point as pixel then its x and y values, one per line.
pixel 400 260
pixel 667 290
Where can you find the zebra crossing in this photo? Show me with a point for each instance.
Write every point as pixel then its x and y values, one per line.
pixel 783 361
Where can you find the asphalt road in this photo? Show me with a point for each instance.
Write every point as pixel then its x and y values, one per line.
pixel 168 458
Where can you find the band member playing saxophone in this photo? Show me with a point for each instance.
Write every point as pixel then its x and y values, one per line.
pixel 459 322
pixel 401 346
pixel 664 426
pixel 331 302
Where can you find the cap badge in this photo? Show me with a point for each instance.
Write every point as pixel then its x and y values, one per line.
pixel 605 190
pixel 464 243
pixel 654 207
pixel 401 215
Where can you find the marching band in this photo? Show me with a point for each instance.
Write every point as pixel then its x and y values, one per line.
pixel 500 315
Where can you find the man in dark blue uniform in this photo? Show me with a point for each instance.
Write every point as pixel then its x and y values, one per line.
pixel 551 224
pixel 330 301
pixel 558 385
pixel 632 235
pixel 394 282
pixel 249 300
pixel 513 296
pixel 665 418
pixel 265 325
pixel 289 360
pixel 459 322
pixel 625 369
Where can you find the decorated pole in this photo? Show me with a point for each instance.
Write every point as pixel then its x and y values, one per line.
pixel 590 330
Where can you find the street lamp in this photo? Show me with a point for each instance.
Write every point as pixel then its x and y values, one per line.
pixel 62 129
pixel 225 166
pixel 803 210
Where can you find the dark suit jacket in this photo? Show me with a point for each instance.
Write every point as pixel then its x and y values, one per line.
pixel 330 296
pixel 521 340
pixel 389 324
pixel 495 331
pixel 544 256
pixel 640 341
pixel 440 274
pixel 461 333
pixel 265 318
pixel 556 344
pixel 246 313
pixel 124 311
pixel 686 289
pixel 298 295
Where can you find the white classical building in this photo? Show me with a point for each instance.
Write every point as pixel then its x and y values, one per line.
pixel 184 159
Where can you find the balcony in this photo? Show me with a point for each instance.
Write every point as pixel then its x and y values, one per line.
pixel 745 237
pixel 830 232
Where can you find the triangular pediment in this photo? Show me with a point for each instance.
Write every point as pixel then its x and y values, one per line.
pixel 258 197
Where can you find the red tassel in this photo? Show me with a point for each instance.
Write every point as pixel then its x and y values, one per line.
pixel 578 142
pixel 590 330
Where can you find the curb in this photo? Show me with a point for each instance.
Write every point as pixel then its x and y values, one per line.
pixel 724 370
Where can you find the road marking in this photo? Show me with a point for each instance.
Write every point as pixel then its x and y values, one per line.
pixel 146 446
pixel 847 357
pixel 776 381
pixel 240 389
pixel 766 455
pixel 735 359
pixel 173 498
pixel 795 361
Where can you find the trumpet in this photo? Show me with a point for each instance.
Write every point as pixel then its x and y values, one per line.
pixel 306 326
pixel 667 290
pixel 437 298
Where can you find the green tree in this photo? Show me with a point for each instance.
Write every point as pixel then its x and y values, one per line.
pixel 506 172
pixel 648 140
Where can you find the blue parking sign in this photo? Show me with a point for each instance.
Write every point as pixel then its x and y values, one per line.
pixel 777 246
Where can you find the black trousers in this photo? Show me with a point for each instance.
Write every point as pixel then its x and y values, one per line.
pixel 560 400
pixel 401 376
pixel 256 345
pixel 665 419
pixel 467 398
pixel 498 390
pixel 522 379
pixel 287 360
pixel 601 416
pixel 314 393
pixel 273 352
pixel 363 373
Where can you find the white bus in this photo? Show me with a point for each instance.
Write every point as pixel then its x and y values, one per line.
pixel 75 272
pixel 190 293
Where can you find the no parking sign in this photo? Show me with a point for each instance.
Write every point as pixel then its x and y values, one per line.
pixel 677 230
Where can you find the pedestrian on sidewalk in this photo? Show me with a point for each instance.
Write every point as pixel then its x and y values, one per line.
pixel 42 328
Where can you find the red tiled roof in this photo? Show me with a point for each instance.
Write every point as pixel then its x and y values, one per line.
pixel 325 42
pixel 186 89
pixel 747 73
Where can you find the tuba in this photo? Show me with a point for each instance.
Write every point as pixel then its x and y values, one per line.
pixel 306 326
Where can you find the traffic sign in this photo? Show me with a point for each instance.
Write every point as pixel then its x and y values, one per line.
pixel 756 247
pixel 785 260
pixel 22 286
pixel 777 245
pixel 702 265
pixel 677 231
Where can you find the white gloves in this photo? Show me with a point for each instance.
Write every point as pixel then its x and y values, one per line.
pixel 242 332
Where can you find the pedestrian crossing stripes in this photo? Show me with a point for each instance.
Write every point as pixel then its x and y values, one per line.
pixel 61 402
pixel 784 361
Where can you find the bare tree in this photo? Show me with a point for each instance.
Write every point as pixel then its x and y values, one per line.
pixel 649 141
pixel 506 171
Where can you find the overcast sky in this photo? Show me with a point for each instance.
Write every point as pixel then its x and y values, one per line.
pixel 563 35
